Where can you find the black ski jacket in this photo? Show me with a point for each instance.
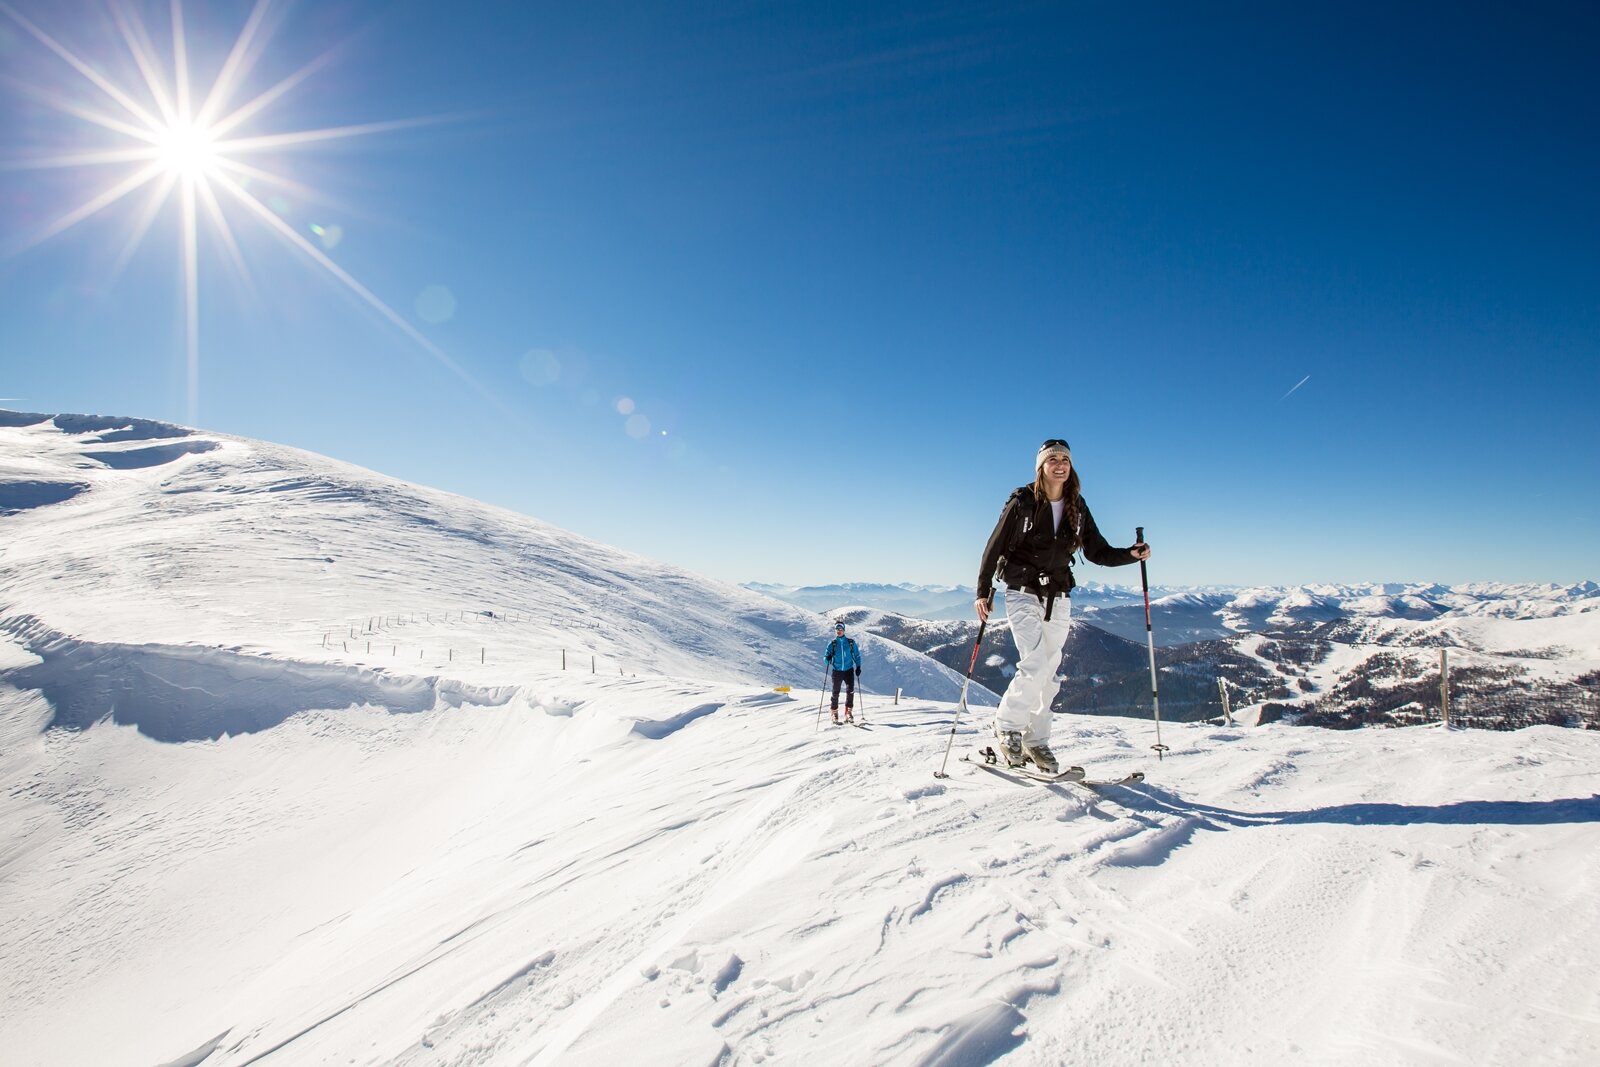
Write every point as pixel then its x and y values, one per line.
pixel 1029 554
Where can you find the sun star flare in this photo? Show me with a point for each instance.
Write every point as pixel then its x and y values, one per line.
pixel 182 147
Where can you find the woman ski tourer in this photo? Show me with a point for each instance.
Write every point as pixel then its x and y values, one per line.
pixel 1030 551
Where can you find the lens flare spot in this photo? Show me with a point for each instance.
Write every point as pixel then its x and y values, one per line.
pixel 638 427
pixel 436 304
pixel 541 367
pixel 330 236
pixel 574 366
pixel 279 205
pixel 625 405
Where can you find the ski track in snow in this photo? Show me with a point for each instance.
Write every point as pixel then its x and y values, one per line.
pixel 224 842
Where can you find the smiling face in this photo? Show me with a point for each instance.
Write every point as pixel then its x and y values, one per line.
pixel 1055 467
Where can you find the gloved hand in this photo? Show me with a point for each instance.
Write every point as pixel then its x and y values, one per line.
pixel 858 672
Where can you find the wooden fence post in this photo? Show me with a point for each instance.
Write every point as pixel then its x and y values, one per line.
pixel 1444 685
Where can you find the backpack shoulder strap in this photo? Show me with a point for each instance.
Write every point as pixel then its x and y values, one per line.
pixel 1023 495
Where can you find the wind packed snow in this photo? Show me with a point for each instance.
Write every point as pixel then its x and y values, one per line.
pixel 227 838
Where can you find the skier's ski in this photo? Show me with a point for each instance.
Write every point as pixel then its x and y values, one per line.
pixel 1098 783
pixel 989 760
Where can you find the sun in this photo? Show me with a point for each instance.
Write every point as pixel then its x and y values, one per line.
pixel 188 147
pixel 187 150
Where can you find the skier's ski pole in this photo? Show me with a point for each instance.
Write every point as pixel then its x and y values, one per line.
pixel 1155 689
pixel 822 698
pixel 962 706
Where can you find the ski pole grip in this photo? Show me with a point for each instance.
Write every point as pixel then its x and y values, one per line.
pixel 1138 535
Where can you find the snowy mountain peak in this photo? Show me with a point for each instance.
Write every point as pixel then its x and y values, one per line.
pixel 130 532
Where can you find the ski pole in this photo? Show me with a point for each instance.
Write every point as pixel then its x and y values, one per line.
pixel 822 698
pixel 861 695
pixel 962 705
pixel 1155 689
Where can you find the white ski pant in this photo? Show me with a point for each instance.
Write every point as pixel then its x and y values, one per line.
pixel 1026 704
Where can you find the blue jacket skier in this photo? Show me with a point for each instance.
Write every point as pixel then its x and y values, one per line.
pixel 844 657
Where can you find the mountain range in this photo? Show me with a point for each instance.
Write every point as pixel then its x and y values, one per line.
pixel 1332 655
pixel 1183 614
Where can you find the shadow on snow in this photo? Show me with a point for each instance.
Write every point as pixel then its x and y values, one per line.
pixel 1461 812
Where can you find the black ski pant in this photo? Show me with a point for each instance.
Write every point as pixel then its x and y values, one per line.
pixel 849 680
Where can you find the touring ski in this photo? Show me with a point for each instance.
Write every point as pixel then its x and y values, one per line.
pixel 1128 779
pixel 989 760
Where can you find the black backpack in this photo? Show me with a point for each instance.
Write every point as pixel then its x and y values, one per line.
pixel 1024 494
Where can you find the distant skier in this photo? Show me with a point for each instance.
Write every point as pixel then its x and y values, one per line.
pixel 845 658
pixel 1030 550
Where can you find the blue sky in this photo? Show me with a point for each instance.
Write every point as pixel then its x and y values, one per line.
pixel 791 292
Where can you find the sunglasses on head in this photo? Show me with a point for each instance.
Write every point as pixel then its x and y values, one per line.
pixel 1055 442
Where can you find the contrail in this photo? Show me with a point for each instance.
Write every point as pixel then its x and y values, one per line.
pixel 1297 385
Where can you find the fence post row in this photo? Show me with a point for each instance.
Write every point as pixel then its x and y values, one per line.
pixel 378 623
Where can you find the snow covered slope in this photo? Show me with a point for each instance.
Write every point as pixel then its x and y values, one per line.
pixel 121 532
pixel 650 872
pixel 222 843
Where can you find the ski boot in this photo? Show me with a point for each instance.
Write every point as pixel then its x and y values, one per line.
pixel 1010 746
pixel 1042 757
